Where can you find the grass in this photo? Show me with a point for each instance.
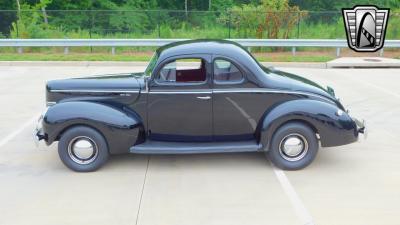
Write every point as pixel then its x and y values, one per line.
pixel 141 57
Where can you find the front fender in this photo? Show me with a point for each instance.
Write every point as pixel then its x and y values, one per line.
pixel 120 128
pixel 320 116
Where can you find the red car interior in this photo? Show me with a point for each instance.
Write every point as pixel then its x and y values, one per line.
pixel 192 75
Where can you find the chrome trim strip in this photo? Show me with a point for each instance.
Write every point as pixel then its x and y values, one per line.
pixel 242 90
pixel 256 90
pixel 180 92
pixel 50 103
pixel 94 91
pixel 207 91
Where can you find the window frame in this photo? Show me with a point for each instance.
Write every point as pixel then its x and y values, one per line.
pixel 241 81
pixel 156 75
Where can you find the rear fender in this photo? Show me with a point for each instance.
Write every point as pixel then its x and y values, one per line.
pixel 320 116
pixel 121 128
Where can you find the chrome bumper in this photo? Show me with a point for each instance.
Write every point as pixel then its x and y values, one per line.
pixel 38 133
pixel 361 127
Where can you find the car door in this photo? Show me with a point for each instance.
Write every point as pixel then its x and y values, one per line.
pixel 235 107
pixel 179 105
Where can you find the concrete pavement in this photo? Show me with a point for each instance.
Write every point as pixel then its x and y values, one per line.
pixel 352 184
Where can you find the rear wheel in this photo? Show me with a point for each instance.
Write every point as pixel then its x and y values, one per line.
pixel 83 149
pixel 293 146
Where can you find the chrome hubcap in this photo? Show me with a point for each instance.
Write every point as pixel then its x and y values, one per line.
pixel 293 147
pixel 82 150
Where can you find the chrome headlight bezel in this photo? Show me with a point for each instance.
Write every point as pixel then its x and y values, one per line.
pixel 339 112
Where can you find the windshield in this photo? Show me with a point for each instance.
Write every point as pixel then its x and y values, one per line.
pixel 151 65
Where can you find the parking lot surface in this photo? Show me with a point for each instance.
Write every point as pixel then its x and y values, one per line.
pixel 352 184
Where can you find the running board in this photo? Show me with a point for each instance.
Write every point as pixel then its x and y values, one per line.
pixel 164 147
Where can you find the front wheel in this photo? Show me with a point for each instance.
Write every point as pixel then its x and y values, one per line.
pixel 83 149
pixel 293 146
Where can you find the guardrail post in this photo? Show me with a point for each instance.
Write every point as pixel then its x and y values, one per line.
pixel 337 52
pixel 20 50
pixel 293 51
pixel 381 52
pixel 66 50
pixel 112 50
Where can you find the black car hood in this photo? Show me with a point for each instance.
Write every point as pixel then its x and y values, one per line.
pixel 122 82
pixel 292 82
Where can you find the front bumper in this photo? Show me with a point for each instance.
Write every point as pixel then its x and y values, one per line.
pixel 361 127
pixel 38 133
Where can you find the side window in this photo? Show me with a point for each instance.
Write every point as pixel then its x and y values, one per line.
pixel 183 70
pixel 226 72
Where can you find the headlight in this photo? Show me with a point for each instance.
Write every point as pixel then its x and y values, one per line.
pixel 339 112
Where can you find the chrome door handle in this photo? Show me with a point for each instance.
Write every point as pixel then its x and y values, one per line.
pixel 204 97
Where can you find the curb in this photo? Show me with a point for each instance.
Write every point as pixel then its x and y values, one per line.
pixel 364 62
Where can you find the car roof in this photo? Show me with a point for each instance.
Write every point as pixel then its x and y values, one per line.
pixel 218 48
pixel 201 46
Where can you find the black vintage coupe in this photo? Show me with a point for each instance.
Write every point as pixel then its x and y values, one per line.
pixel 202 96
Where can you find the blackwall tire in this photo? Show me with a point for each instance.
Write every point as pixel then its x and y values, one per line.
pixel 293 146
pixel 83 149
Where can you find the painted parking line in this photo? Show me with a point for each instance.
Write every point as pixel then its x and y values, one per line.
pixel 141 194
pixel 299 208
pixel 18 131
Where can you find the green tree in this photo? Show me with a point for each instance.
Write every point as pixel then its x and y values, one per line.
pixel 270 19
pixel 6 17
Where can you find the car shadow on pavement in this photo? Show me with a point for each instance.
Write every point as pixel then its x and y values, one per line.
pixel 217 160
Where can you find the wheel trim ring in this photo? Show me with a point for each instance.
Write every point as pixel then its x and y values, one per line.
pixel 301 154
pixel 74 157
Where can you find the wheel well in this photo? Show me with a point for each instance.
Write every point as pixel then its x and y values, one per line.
pixel 80 125
pixel 308 124
pixel 267 141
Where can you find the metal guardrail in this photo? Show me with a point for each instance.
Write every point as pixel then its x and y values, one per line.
pixel 293 43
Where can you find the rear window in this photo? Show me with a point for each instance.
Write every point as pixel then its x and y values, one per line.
pixel 226 72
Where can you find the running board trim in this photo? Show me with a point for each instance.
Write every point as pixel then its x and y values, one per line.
pixel 164 147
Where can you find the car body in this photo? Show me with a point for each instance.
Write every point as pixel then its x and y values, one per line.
pixel 198 96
